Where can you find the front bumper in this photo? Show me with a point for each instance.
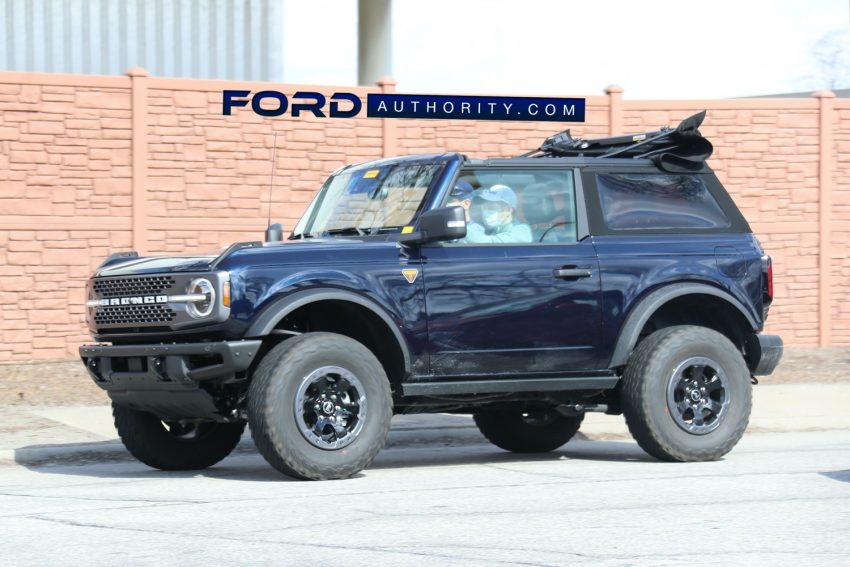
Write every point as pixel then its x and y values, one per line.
pixel 765 354
pixel 143 366
pixel 165 379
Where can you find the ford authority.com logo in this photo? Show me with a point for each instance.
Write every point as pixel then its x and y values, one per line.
pixel 348 105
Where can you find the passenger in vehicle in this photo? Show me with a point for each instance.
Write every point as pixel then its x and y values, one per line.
pixel 496 209
pixel 461 196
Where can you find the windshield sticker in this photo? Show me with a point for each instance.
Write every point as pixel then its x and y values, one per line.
pixel 371 173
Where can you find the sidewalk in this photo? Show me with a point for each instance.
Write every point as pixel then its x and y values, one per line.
pixel 32 435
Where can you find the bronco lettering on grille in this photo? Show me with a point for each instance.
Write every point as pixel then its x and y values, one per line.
pixel 139 300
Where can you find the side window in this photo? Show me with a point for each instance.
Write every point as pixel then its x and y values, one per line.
pixel 650 201
pixel 516 206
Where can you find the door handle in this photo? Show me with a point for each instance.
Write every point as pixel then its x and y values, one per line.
pixel 569 273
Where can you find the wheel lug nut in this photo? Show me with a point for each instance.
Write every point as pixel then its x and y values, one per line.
pixel 333 397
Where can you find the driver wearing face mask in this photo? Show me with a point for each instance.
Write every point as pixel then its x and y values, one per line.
pixel 496 207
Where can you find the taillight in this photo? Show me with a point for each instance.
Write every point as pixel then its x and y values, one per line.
pixel 767 280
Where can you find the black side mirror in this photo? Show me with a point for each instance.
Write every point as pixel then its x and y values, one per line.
pixel 447 223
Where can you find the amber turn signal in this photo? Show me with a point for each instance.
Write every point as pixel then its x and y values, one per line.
pixel 225 295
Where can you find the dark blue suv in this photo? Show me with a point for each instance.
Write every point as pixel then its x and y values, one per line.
pixel 612 275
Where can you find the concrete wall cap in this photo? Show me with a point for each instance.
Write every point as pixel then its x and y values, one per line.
pixel 823 94
pixel 137 72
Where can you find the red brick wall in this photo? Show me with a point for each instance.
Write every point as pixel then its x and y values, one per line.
pixel 65 202
pixel 840 249
pixel 204 165
pixel 90 165
pixel 767 158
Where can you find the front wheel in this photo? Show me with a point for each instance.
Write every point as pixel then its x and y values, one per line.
pixel 686 394
pixel 175 446
pixel 319 406
pixel 537 431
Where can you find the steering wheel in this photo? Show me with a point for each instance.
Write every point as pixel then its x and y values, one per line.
pixel 557 224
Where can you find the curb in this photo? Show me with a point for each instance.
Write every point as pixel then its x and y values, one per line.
pixel 400 438
pixel 113 450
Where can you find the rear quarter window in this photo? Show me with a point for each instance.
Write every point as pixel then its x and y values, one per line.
pixel 643 201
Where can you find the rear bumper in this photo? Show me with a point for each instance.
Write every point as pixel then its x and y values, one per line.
pixel 768 352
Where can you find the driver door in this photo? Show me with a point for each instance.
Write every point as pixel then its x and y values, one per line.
pixel 513 308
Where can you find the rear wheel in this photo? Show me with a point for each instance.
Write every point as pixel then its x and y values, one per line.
pixel 319 406
pixel 175 446
pixel 686 394
pixel 538 431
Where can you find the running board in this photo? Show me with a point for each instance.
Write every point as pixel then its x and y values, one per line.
pixel 509 385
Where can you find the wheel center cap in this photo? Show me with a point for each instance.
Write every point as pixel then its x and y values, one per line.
pixel 328 407
pixel 696 395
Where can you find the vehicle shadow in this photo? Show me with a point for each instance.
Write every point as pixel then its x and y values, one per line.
pixel 842 476
pixel 109 460
pixel 576 450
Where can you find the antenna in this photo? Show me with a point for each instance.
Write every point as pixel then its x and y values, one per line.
pixel 271 181
pixel 273 232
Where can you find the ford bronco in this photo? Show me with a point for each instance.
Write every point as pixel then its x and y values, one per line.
pixel 610 275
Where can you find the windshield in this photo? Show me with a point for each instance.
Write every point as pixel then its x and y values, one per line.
pixel 368 200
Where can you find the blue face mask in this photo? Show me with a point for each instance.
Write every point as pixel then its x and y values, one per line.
pixel 494 220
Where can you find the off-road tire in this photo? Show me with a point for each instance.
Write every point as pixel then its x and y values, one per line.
pixel 512 432
pixel 148 439
pixel 271 398
pixel 644 394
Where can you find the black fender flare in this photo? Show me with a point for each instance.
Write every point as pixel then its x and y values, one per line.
pixel 641 313
pixel 274 313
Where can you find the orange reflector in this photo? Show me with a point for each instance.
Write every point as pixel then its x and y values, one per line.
pixel 225 295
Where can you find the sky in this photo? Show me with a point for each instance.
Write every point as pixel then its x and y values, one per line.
pixel 655 49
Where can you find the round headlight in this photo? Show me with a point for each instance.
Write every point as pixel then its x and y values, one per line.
pixel 200 307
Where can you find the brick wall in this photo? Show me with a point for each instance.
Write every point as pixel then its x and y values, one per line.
pixel 90 165
pixel 767 157
pixel 840 212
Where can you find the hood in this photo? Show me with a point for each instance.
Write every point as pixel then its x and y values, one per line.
pixel 154 265
pixel 312 251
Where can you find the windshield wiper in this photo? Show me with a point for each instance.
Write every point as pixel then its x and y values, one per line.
pixel 347 231
pixel 299 236
pixel 383 229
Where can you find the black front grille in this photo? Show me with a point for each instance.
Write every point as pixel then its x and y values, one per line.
pixel 142 285
pixel 133 314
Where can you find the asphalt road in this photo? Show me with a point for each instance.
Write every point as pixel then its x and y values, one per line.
pixel 777 499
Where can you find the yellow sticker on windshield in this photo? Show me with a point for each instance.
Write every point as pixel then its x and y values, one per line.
pixel 372 173
pixel 407 230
